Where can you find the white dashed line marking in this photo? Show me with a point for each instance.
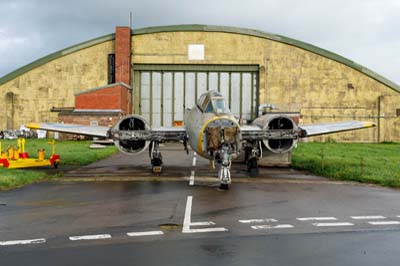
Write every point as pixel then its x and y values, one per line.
pixel 316 219
pixel 202 223
pixel 149 233
pixel 384 223
pixel 187 224
pixel 279 226
pixel 89 237
pixel 371 217
pixel 187 221
pixel 191 179
pixel 258 221
pixel 205 230
pixel 23 242
pixel 332 224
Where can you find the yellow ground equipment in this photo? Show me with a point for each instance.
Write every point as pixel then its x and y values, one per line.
pixel 16 157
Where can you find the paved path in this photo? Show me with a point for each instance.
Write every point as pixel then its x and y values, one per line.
pixel 281 217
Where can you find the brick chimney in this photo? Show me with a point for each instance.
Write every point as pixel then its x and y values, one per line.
pixel 123 55
pixel 123 65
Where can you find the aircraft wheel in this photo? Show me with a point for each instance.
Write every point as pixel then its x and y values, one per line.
pixel 224 186
pixel 252 165
pixel 156 162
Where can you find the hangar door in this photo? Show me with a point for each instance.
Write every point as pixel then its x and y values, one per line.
pixel 165 91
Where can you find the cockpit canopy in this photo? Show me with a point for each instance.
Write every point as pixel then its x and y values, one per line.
pixel 212 102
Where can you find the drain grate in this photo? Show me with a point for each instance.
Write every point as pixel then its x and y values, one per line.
pixel 170 226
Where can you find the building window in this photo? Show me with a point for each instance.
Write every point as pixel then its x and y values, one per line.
pixel 111 68
pixel 398 112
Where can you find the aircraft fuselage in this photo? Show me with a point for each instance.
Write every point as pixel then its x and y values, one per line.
pixel 208 132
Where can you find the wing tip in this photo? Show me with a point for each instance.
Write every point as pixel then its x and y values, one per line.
pixel 369 124
pixel 33 125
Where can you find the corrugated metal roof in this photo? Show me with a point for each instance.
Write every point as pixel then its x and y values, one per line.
pixel 208 28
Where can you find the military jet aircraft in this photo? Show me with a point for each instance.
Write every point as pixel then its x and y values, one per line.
pixel 212 131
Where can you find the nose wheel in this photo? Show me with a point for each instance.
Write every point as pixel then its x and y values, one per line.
pixel 224 176
pixel 224 186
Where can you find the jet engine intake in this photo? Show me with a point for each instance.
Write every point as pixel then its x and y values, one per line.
pixel 222 132
pixel 130 126
pixel 281 132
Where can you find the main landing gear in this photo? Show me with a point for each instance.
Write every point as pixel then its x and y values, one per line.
pixel 252 165
pixel 252 153
pixel 155 157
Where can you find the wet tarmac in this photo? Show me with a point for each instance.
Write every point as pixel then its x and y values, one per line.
pixel 280 217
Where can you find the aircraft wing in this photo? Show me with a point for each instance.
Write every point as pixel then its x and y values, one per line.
pixel 161 134
pixel 156 134
pixel 95 131
pixel 253 132
pixel 327 128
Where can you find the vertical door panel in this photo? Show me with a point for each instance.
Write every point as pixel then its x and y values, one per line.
pixel 246 96
pixel 224 85
pixel 213 81
pixel 254 96
pixel 167 99
pixel 145 95
pixel 201 83
pixel 156 101
pixel 235 94
pixel 190 86
pixel 178 93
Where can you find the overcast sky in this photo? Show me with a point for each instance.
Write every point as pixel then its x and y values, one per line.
pixel 365 31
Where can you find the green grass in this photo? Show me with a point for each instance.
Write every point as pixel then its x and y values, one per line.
pixel 366 163
pixel 71 152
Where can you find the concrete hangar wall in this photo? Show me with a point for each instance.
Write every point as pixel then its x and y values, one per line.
pixel 167 67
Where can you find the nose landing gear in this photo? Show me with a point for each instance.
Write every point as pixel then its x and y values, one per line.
pixel 224 173
pixel 224 176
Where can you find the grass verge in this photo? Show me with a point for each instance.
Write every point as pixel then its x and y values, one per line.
pixel 365 163
pixel 72 153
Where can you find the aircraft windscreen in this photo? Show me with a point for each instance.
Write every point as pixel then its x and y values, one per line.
pixel 220 106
